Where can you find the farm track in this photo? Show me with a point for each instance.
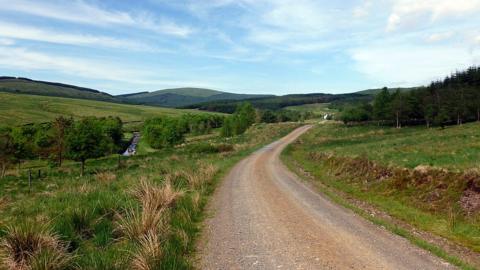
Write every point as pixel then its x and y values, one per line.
pixel 263 217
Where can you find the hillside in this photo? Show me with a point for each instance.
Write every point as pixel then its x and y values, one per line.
pixel 391 90
pixel 277 102
pixel 180 97
pixel 16 109
pixel 43 88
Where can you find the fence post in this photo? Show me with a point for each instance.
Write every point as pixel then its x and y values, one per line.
pixel 29 180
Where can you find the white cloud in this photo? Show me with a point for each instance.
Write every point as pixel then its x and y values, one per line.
pixel 408 13
pixel 81 12
pixel 363 10
pixel 94 69
pixel 437 37
pixel 410 65
pixel 6 41
pixel 16 31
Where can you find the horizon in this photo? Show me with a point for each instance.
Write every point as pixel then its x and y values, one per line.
pixel 244 46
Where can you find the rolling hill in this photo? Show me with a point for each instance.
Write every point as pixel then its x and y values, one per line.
pixel 180 97
pixel 16 109
pixel 277 102
pixel 43 88
pixel 372 92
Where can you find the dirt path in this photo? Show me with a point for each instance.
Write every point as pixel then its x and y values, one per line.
pixel 263 217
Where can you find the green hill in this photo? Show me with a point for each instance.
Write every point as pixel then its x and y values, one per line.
pixel 43 88
pixel 17 109
pixel 277 102
pixel 180 97
pixel 391 90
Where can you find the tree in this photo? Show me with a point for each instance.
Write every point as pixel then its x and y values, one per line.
pixel 357 114
pixel 398 107
pixel 113 128
pixel 227 128
pixel 85 140
pixel 164 132
pixel 60 127
pixel 22 139
pixel 7 150
pixel 268 116
pixel 381 105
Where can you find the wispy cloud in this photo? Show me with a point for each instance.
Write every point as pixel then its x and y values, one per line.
pixel 414 13
pixel 78 11
pixel 94 69
pixel 17 31
pixel 409 65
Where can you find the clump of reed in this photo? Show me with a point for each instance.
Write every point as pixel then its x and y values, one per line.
pixel 148 225
pixel 29 246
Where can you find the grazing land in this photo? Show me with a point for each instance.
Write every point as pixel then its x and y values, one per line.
pixel 43 88
pixel 143 211
pixel 318 109
pixel 427 178
pixel 17 109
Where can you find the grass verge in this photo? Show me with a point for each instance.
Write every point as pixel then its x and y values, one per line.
pixel 341 176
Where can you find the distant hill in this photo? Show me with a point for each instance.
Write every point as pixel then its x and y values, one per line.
pixel 19 109
pixel 391 90
pixel 181 97
pixel 276 102
pixel 43 88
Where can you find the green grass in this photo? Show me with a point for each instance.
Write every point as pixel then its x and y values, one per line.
pixel 319 109
pixel 84 211
pixel 453 148
pixel 48 89
pixel 17 109
pixel 352 160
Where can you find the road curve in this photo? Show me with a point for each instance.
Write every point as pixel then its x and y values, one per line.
pixel 263 217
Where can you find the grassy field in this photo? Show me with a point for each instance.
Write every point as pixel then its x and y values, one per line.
pixel 316 108
pixel 454 148
pixel 17 109
pixel 425 177
pixel 143 214
pixel 25 86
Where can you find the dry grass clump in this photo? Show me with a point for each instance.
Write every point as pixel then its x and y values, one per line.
pixel 105 177
pixel 196 200
pixel 33 247
pixel 3 202
pixel 149 253
pixel 204 174
pixel 156 197
pixel 148 225
pixel 135 223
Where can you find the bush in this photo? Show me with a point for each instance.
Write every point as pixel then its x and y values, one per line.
pixel 164 132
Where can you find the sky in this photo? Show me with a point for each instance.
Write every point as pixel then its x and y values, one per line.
pixel 240 46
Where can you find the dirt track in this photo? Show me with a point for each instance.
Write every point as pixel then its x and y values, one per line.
pixel 263 217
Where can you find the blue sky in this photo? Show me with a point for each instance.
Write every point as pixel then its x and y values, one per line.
pixel 243 46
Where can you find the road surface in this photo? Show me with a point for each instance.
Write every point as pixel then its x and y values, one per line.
pixel 263 217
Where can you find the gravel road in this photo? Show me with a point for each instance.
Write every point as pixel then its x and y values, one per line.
pixel 263 217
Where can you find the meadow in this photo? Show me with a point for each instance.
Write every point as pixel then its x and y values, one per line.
pixel 142 212
pixel 317 109
pixel 18 109
pixel 425 177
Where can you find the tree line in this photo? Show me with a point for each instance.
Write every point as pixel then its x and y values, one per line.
pixel 163 132
pixel 61 138
pixel 273 103
pixel 453 100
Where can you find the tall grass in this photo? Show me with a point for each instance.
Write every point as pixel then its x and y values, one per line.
pixel 29 246
pixel 143 215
